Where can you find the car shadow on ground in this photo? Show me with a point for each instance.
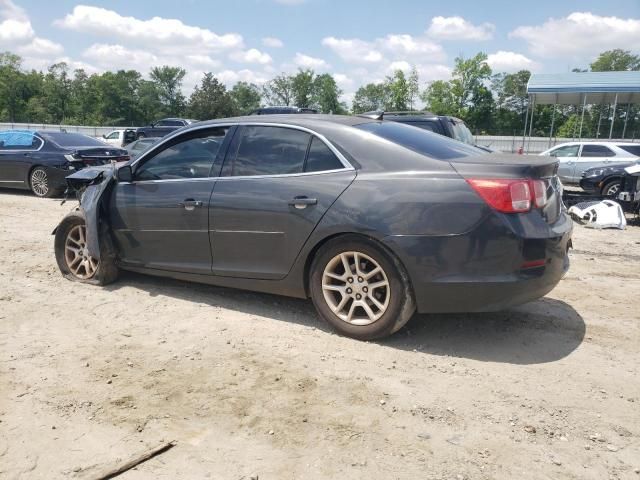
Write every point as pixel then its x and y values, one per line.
pixel 539 332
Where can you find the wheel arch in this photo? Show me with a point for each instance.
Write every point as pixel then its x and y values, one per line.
pixel 320 243
pixel 610 179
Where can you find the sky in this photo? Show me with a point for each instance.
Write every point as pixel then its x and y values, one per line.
pixel 357 41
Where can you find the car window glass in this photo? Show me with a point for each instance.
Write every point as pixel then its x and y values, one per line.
pixel 113 135
pixel 161 123
pixel 321 157
pixel 190 157
pixel 64 139
pixel 19 141
pixel 462 133
pixel 426 143
pixel 269 151
pixel 173 123
pixel 632 149
pixel 596 151
pixel 426 125
pixel 568 151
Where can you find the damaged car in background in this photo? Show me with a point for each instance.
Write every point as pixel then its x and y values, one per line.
pixel 40 160
pixel 373 220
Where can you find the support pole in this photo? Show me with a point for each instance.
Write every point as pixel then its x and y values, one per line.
pixel 584 104
pixel 526 117
pixel 613 117
pixel 553 119
pixel 533 107
pixel 626 117
pixel 599 121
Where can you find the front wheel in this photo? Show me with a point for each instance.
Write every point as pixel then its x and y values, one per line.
pixel 611 189
pixel 360 289
pixel 73 257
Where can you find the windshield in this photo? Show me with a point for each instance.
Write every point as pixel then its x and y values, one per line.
pixel 72 139
pixel 421 141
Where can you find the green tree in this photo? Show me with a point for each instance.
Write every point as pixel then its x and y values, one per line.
pixel 370 97
pixel 246 97
pixel 279 91
pixel 616 61
pixel 11 84
pixel 57 91
pixel 210 99
pixel 414 88
pixel 168 80
pixel 399 91
pixel 469 76
pixel 303 87
pixel 438 98
pixel 327 95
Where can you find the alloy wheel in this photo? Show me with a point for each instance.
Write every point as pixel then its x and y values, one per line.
pixel 612 190
pixel 39 182
pixel 76 255
pixel 356 288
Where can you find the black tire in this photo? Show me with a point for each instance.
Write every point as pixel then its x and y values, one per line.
pixel 40 184
pixel 401 302
pixel 609 189
pixel 106 271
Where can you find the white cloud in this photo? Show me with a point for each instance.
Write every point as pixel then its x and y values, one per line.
pixel 353 50
pixel 272 42
pixel 399 65
pixel 457 28
pixel 252 55
pixel 411 46
pixel 230 77
pixel 503 61
pixel 305 61
pixel 580 34
pixel 17 34
pixel 204 61
pixel 119 57
pixel 157 30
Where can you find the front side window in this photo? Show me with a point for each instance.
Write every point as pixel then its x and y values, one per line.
pixel 596 151
pixel 321 158
pixel 567 151
pixel 265 150
pixel 187 157
pixel 113 136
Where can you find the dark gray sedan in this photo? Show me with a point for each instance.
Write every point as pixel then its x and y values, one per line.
pixel 371 219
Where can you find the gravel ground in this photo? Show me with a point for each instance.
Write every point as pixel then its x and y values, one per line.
pixel 255 386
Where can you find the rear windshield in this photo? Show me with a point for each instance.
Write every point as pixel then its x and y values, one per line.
pixel 72 139
pixel 632 149
pixel 461 132
pixel 420 140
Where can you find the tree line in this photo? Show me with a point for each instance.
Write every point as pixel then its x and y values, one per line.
pixel 490 103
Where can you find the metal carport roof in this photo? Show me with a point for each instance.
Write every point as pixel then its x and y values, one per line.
pixel 576 87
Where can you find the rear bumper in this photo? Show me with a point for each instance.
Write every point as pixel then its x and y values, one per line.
pixel 57 177
pixel 482 270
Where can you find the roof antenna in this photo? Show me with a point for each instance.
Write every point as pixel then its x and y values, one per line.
pixel 375 115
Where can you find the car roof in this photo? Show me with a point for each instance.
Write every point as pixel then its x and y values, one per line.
pixel 299 119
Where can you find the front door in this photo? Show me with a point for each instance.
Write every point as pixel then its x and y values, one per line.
pixel 592 156
pixel 269 198
pixel 160 219
pixel 16 157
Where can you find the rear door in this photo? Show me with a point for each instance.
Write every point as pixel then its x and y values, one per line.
pixel 16 157
pixel 592 156
pixel 275 186
pixel 567 155
pixel 160 219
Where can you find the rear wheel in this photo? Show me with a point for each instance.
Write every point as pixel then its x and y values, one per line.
pixel 359 289
pixel 611 188
pixel 73 257
pixel 40 183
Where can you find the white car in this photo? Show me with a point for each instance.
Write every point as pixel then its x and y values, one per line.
pixel 119 138
pixel 576 157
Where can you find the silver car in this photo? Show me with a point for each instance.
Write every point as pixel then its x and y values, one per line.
pixel 576 157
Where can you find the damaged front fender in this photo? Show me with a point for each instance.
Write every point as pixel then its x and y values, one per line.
pixel 91 186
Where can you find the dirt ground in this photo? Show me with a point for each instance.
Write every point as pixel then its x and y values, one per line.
pixel 255 386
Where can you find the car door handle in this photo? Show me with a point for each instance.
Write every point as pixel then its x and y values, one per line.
pixel 302 202
pixel 190 204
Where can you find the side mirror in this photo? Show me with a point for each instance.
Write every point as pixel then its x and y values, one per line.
pixel 104 136
pixel 125 174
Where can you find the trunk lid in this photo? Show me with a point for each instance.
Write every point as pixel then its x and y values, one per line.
pixel 94 156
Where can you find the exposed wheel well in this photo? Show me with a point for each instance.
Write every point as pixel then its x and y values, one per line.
pixel 318 246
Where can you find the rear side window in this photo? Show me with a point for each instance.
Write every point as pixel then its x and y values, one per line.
pixel 596 151
pixel 420 141
pixel 321 157
pixel 632 149
pixel 268 151
pixel 19 141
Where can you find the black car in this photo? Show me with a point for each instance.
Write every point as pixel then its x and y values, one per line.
pixel 371 219
pixel 40 160
pixel 163 127
pixel 448 126
pixel 136 148
pixel 282 110
pixel 605 180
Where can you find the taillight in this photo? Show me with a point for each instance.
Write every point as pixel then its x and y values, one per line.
pixel 511 195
